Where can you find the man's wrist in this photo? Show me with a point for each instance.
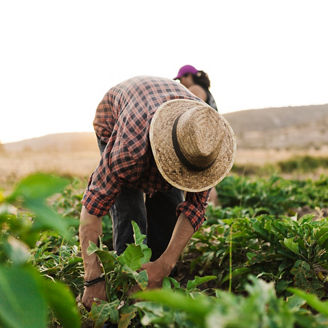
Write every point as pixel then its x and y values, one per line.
pixel 168 262
pixel 90 275
pixel 88 283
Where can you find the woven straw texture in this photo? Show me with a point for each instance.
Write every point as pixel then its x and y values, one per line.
pixel 169 165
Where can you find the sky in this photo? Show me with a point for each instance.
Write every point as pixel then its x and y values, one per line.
pixel 59 58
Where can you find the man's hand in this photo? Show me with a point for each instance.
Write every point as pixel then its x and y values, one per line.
pixel 163 266
pixel 95 291
pixel 156 271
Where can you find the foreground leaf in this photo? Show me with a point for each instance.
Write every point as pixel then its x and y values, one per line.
pixel 16 250
pixel 197 308
pixel 38 186
pixel 22 303
pixel 46 218
pixel 61 301
pixel 312 300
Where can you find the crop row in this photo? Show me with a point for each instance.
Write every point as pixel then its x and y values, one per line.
pixel 239 269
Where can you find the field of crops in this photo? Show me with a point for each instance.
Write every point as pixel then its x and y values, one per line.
pixel 260 260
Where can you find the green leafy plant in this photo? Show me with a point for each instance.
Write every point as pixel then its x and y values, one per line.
pixel 27 296
pixel 288 251
pixel 121 274
pixel 273 195
pixel 258 229
pixel 261 308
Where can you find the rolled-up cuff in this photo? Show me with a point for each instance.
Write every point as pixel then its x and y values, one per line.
pixel 192 213
pixel 97 205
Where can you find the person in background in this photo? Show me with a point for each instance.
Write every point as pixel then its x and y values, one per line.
pixel 199 83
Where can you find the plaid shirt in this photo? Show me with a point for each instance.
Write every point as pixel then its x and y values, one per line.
pixel 122 122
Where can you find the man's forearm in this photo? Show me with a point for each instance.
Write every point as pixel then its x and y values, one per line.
pixel 182 233
pixel 90 230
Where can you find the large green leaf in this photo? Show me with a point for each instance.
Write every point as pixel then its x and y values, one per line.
pixel 197 308
pixel 46 218
pixel 33 191
pixel 92 248
pixel 61 301
pixel 133 257
pixel 38 186
pixel 16 251
pixel 312 300
pixel 291 245
pixel 22 303
pixel 155 313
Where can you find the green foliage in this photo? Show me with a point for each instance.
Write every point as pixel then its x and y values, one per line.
pixel 22 303
pixel 26 296
pixel 271 195
pixel 62 303
pixel 105 310
pixel 32 192
pixel 312 300
pixel 296 164
pixel 284 250
pixel 59 259
pixel 261 308
pixel 302 164
pixel 274 195
pixel 38 187
pixel 68 204
pixel 122 273
pixel 192 284
pixel 257 226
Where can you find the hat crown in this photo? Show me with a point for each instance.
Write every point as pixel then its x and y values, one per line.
pixel 184 119
pixel 199 136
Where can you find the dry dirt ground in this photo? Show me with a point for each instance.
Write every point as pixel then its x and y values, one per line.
pixel 15 165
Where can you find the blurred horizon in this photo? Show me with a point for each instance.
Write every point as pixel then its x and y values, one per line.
pixel 33 136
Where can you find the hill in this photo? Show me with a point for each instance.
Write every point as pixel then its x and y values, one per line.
pixel 63 142
pixel 301 127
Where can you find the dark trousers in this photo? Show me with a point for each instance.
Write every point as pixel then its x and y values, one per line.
pixel 155 216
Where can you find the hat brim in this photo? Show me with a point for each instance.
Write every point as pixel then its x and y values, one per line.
pixel 167 161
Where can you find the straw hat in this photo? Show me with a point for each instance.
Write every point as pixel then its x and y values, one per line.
pixel 192 144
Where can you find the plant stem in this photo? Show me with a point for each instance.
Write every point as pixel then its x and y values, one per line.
pixel 230 259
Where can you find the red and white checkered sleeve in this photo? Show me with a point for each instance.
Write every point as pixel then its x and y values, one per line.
pixel 194 208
